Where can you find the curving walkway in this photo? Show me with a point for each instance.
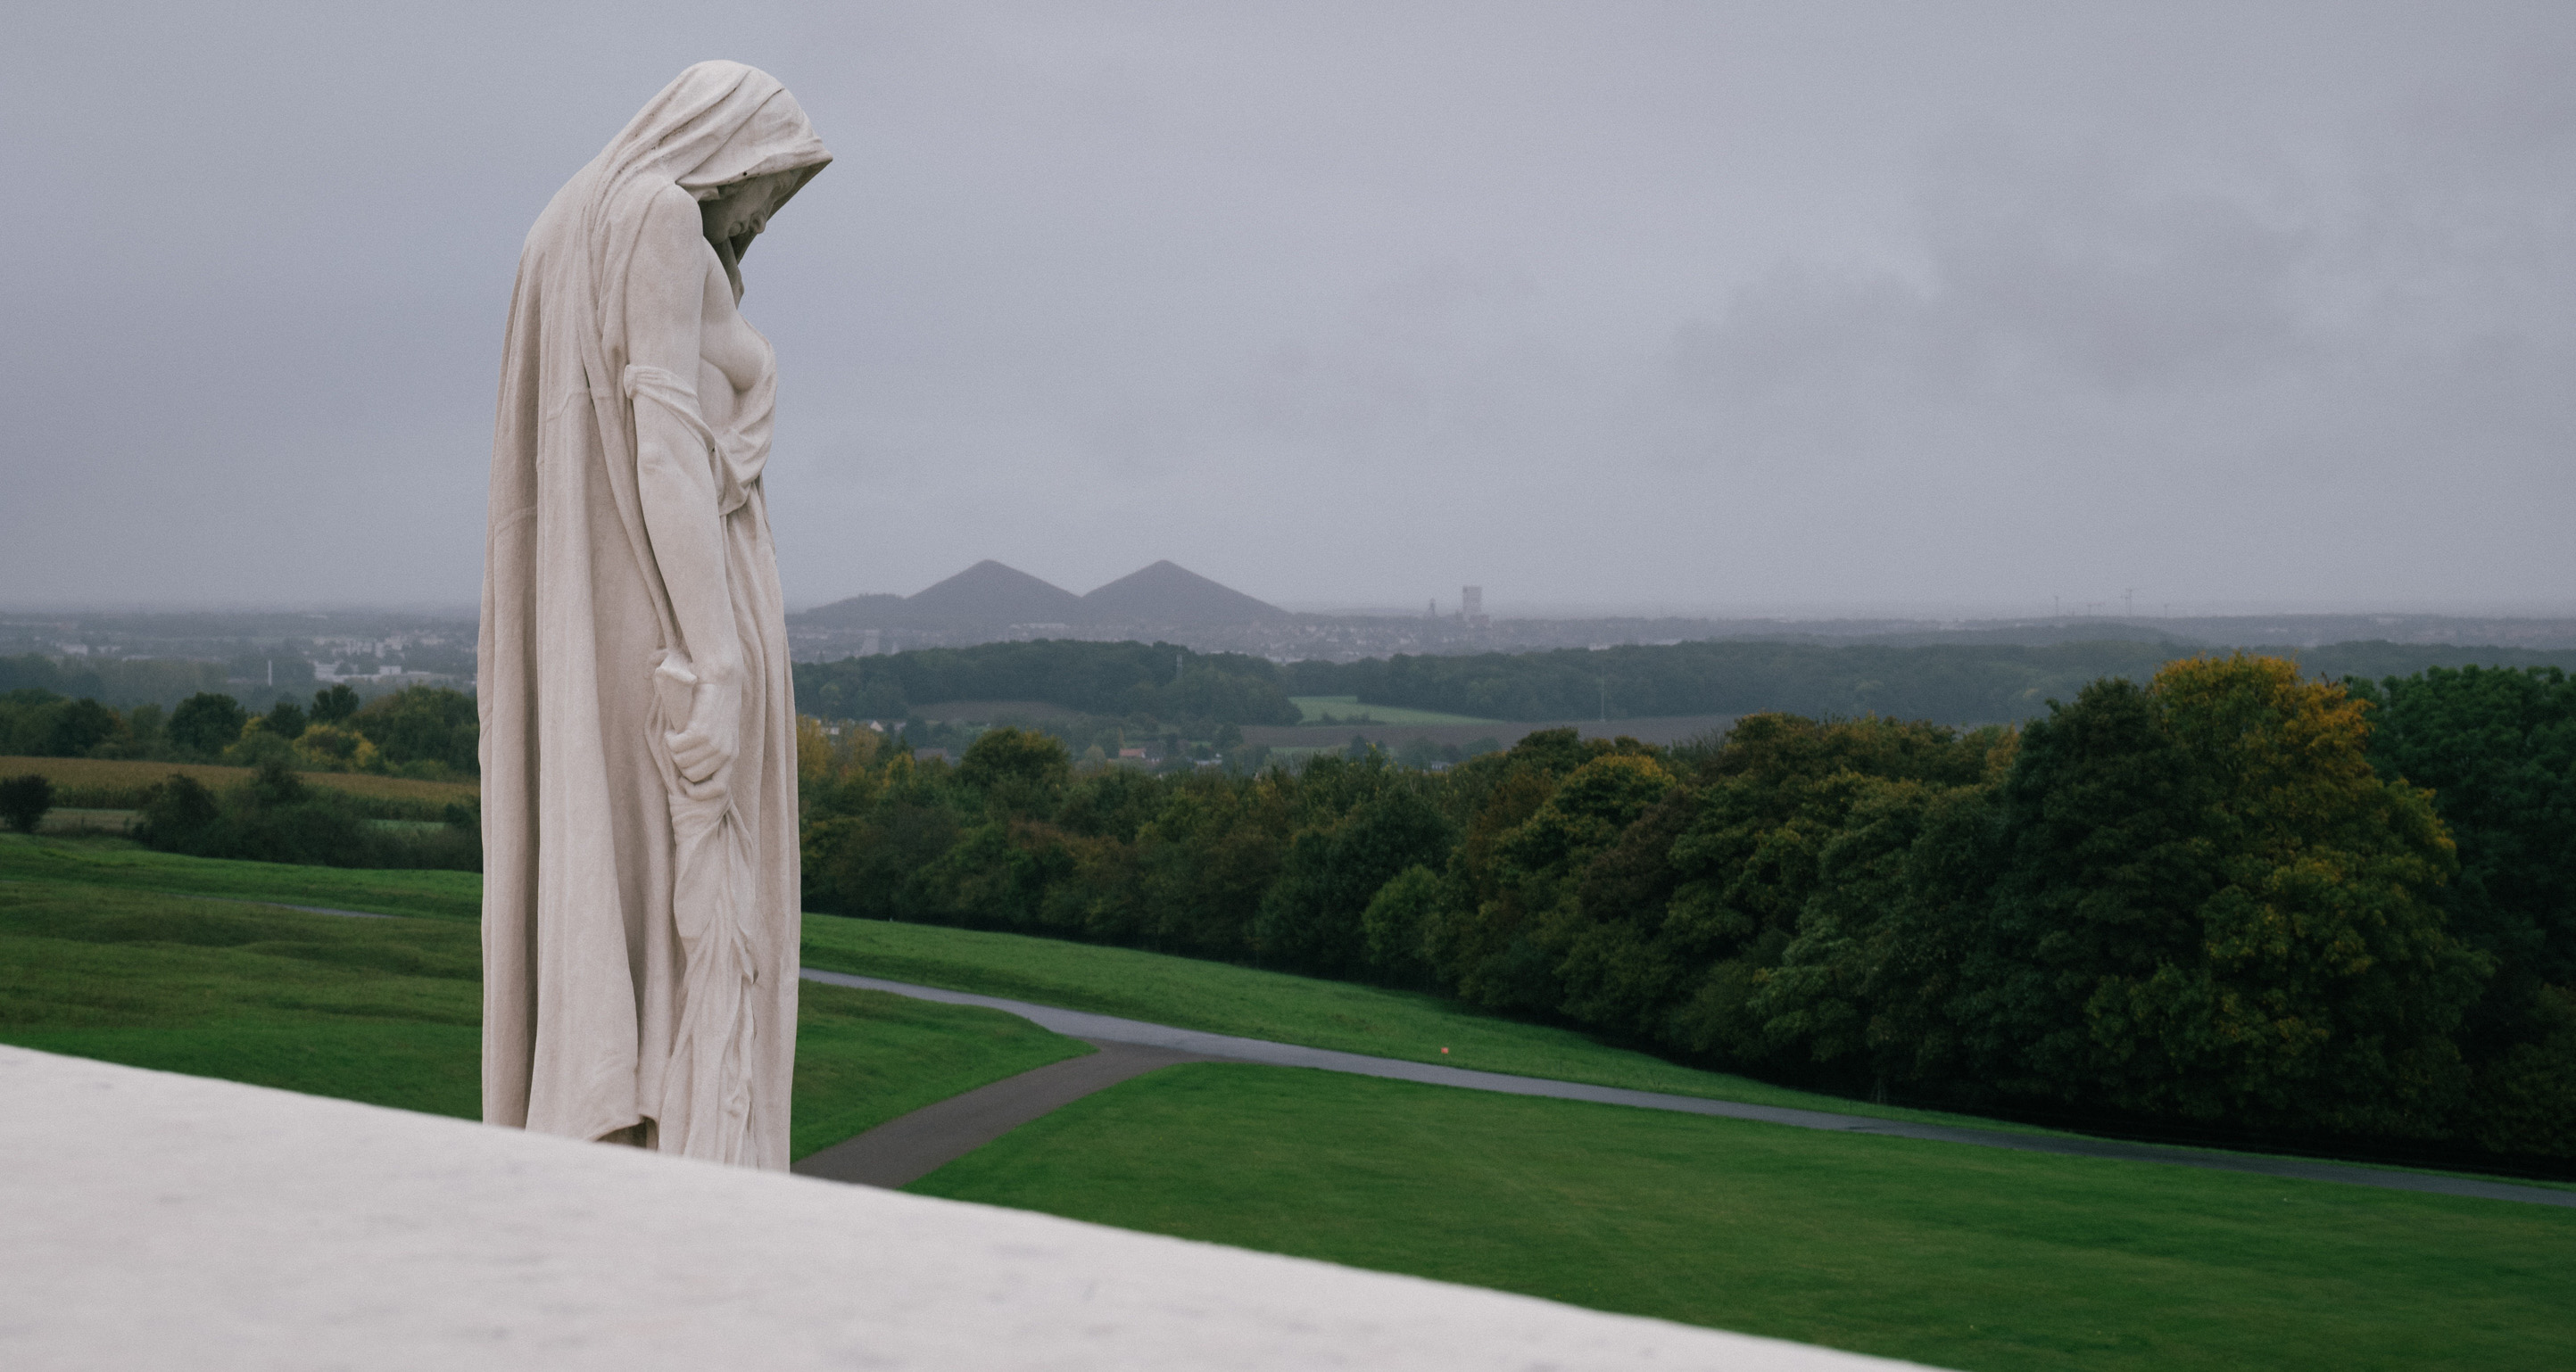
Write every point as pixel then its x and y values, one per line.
pixel 905 1149
pixel 902 1151
pixel 910 1141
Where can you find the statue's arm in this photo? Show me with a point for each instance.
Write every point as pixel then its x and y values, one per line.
pixel 665 298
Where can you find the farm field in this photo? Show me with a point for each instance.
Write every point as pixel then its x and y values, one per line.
pixel 59 820
pixel 118 784
pixel 1348 710
pixel 1960 1257
pixel 388 1011
pixel 1224 999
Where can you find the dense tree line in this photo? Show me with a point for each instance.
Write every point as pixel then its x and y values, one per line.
pixel 1963 683
pixel 2224 900
pixel 2498 751
pixel 422 731
pixel 274 815
pixel 1116 680
pixel 425 732
pixel 1966 683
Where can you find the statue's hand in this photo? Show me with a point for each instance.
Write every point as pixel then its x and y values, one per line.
pixel 711 703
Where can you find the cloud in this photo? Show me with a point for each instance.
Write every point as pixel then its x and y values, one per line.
pixel 1696 304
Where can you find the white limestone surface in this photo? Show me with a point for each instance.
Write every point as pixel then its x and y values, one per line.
pixel 156 1221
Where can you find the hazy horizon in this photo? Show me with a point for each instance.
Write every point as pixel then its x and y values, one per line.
pixel 1500 607
pixel 1738 309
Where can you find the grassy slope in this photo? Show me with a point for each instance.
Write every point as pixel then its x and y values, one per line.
pixel 1225 999
pixel 125 866
pixel 1962 1257
pixel 389 1011
pixel 1148 986
pixel 1347 710
pixel 863 1058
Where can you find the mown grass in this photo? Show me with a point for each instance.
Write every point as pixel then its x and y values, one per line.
pixel 1349 710
pixel 129 867
pixel 1961 1257
pixel 388 1011
pixel 1224 999
pixel 1160 989
pixel 118 784
pixel 864 1057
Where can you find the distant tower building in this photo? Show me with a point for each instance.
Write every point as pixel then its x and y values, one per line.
pixel 1431 609
pixel 868 643
pixel 1471 605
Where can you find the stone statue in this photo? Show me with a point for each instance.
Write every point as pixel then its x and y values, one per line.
pixel 639 753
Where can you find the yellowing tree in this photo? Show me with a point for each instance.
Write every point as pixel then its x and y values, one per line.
pixel 2215 908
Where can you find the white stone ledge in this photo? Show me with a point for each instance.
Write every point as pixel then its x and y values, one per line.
pixel 157 1221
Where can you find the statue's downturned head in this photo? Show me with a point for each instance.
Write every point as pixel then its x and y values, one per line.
pixel 733 138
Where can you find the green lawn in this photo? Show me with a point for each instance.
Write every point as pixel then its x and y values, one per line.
pixel 1187 992
pixel 1160 989
pixel 1225 999
pixel 1349 710
pixel 388 1011
pixel 1960 1257
pixel 128 866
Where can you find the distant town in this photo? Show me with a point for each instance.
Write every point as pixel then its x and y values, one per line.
pixel 991 602
pixel 286 654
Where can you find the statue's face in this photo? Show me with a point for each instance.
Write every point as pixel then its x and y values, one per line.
pixel 744 209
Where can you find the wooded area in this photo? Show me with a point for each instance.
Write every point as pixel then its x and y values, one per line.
pixel 2219 902
pixel 1957 684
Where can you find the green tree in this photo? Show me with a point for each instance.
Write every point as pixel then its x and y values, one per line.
pixel 1394 925
pixel 82 727
pixel 333 704
pixel 206 723
pixel 2497 749
pixel 286 720
pixel 179 811
pixel 2216 910
pixel 1526 919
pixel 1689 920
pixel 429 730
pixel 24 801
pixel 865 841
pixel 1312 919
pixel 40 723
pixel 145 735
pixel 1857 997
pixel 1015 769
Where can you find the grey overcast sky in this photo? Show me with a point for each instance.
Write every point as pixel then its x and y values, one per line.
pixel 1720 306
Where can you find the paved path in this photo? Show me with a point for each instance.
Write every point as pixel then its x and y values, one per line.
pixel 902 1151
pixel 1191 1044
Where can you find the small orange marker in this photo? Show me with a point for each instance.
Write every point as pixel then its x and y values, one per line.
pixel 1444 1050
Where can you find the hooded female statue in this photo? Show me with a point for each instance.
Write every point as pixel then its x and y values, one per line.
pixel 639 759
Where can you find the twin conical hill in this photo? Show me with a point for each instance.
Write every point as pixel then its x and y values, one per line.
pixel 990 595
pixel 1168 593
pixel 857 612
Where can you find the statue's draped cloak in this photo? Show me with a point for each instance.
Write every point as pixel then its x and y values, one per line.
pixel 589 968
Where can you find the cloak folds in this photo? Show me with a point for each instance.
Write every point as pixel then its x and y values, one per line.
pixel 639 934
